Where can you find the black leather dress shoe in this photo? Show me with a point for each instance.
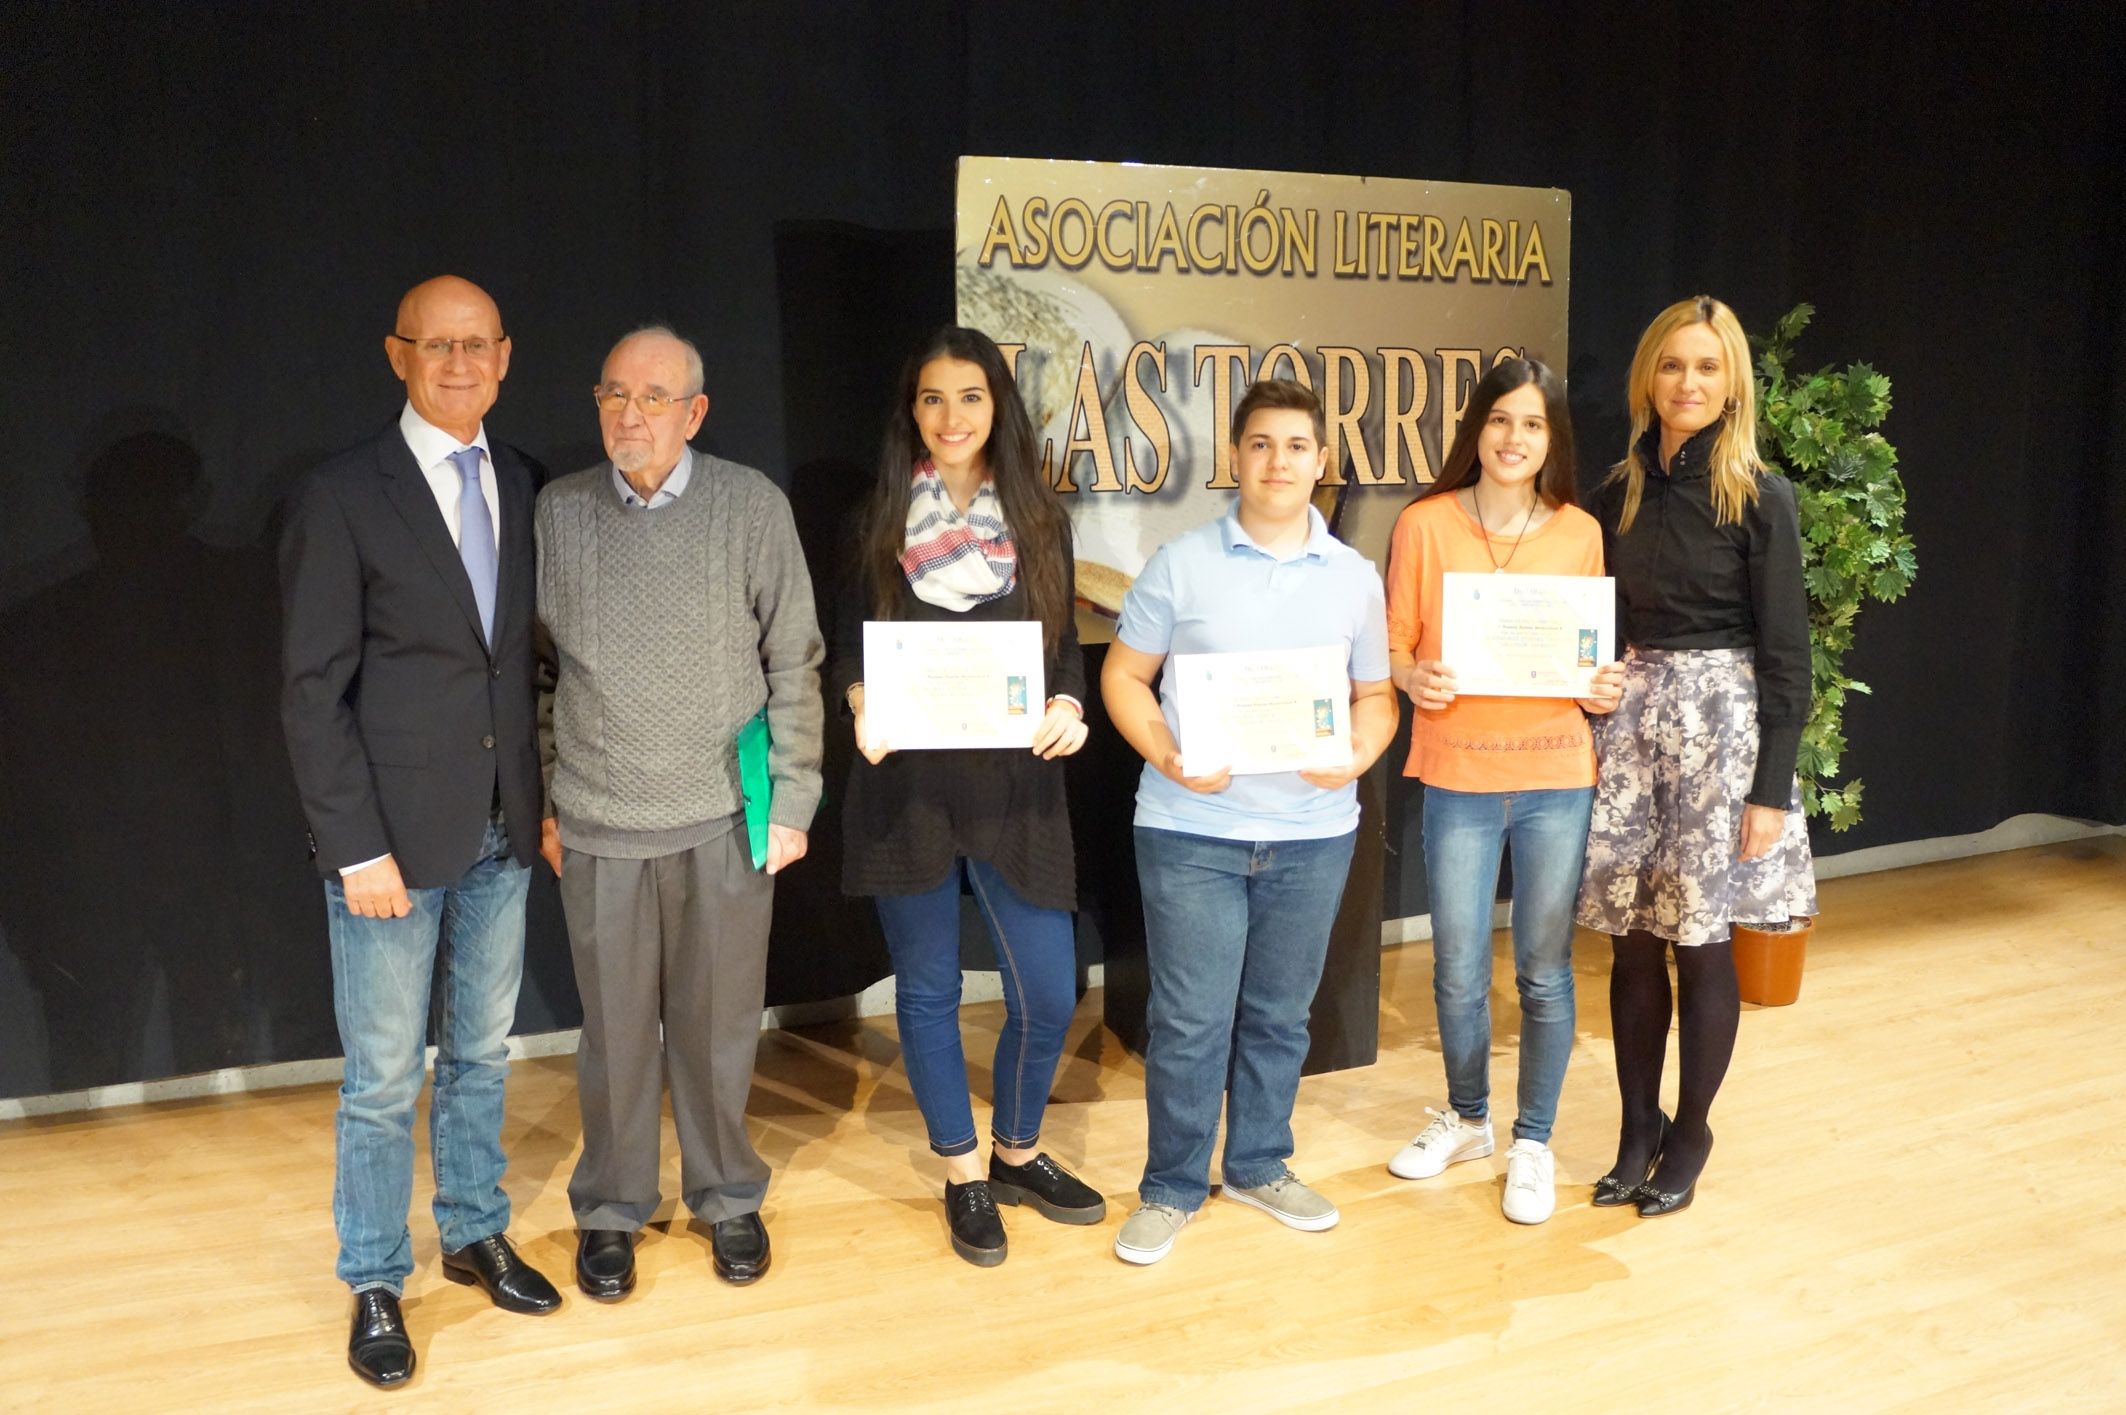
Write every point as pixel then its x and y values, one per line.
pixel 515 1285
pixel 740 1248
pixel 605 1263
pixel 378 1348
pixel 1053 1191
pixel 1611 1192
pixel 972 1220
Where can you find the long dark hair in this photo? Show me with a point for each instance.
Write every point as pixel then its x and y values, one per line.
pixel 1031 508
pixel 1554 483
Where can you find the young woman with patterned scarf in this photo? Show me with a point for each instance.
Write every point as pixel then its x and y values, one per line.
pixel 961 527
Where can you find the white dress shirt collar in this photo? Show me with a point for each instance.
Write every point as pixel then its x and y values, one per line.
pixel 431 448
pixel 430 444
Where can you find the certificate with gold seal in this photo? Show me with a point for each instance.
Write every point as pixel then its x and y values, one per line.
pixel 930 686
pixel 1260 712
pixel 1527 636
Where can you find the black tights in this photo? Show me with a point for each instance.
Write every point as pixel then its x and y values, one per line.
pixel 1639 1014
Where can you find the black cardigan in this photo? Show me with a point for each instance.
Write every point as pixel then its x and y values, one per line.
pixel 905 820
pixel 1686 582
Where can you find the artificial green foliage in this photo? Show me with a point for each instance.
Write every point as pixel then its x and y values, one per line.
pixel 1819 429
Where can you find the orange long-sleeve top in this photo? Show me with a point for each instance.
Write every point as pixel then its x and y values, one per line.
pixel 1486 743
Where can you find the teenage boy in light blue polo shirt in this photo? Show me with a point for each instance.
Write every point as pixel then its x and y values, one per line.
pixel 1241 875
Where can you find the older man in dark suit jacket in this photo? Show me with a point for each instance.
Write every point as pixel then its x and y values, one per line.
pixel 409 701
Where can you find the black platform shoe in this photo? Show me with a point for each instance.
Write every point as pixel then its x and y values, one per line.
pixel 1611 1192
pixel 977 1230
pixel 1053 1191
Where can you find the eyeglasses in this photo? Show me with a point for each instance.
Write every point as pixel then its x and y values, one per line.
pixel 612 400
pixel 477 347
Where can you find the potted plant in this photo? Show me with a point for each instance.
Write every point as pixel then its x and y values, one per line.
pixel 1819 428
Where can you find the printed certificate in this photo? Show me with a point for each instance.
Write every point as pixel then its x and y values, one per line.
pixel 1527 636
pixel 1252 713
pixel 929 685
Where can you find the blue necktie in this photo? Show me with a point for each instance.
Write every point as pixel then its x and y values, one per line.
pixel 476 539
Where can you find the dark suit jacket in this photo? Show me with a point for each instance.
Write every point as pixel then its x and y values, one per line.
pixel 401 724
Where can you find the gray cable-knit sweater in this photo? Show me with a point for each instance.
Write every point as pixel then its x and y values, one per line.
pixel 669 628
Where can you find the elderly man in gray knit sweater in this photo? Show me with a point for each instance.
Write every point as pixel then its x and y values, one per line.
pixel 677 603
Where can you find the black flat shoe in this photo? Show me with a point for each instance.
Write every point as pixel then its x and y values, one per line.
pixel 1053 1191
pixel 378 1348
pixel 605 1263
pixel 1611 1192
pixel 971 1216
pixel 739 1247
pixel 513 1284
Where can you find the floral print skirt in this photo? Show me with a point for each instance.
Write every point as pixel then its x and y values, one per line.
pixel 1676 759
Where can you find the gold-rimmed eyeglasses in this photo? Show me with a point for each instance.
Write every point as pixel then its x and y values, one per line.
pixel 612 400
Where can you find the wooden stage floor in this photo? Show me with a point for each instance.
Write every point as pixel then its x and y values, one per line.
pixel 1915 1203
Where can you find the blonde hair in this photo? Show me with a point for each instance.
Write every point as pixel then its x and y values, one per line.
pixel 1735 460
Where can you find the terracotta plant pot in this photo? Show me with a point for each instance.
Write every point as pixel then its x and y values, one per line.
pixel 1768 965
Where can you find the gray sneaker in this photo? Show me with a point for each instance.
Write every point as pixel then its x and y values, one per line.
pixel 1290 1202
pixel 1148 1233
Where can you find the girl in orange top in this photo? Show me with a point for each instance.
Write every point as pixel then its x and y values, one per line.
pixel 1499 772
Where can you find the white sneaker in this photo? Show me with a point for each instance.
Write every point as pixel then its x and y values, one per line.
pixel 1448 1139
pixel 1531 1182
pixel 1148 1234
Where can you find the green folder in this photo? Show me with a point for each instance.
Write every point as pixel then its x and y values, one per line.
pixel 753 783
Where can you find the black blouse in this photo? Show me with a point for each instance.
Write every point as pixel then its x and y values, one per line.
pixel 905 820
pixel 1686 582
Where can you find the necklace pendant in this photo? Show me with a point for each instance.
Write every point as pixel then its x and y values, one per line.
pixel 1498 569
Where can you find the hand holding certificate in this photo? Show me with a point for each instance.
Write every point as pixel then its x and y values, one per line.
pixel 1527 636
pixel 936 686
pixel 1254 713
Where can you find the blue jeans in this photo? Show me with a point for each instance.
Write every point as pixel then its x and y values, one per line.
pixel 1038 958
pixel 1464 834
pixel 381 970
pixel 1235 934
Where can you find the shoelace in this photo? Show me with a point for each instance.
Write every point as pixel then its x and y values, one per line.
pixel 977 1197
pixel 1443 1125
pixel 1523 1171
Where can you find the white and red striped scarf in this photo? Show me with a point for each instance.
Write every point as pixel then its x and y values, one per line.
pixel 956 561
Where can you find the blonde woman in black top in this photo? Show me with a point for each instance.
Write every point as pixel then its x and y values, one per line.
pixel 1697 819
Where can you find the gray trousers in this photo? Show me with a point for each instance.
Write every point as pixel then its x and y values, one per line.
pixel 679 940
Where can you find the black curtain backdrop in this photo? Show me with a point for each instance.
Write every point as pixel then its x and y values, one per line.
pixel 210 212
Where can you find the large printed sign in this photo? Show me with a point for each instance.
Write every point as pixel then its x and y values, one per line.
pixel 1143 300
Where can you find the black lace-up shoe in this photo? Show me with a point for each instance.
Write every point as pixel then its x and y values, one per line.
pixel 977 1231
pixel 493 1266
pixel 377 1347
pixel 1053 1191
